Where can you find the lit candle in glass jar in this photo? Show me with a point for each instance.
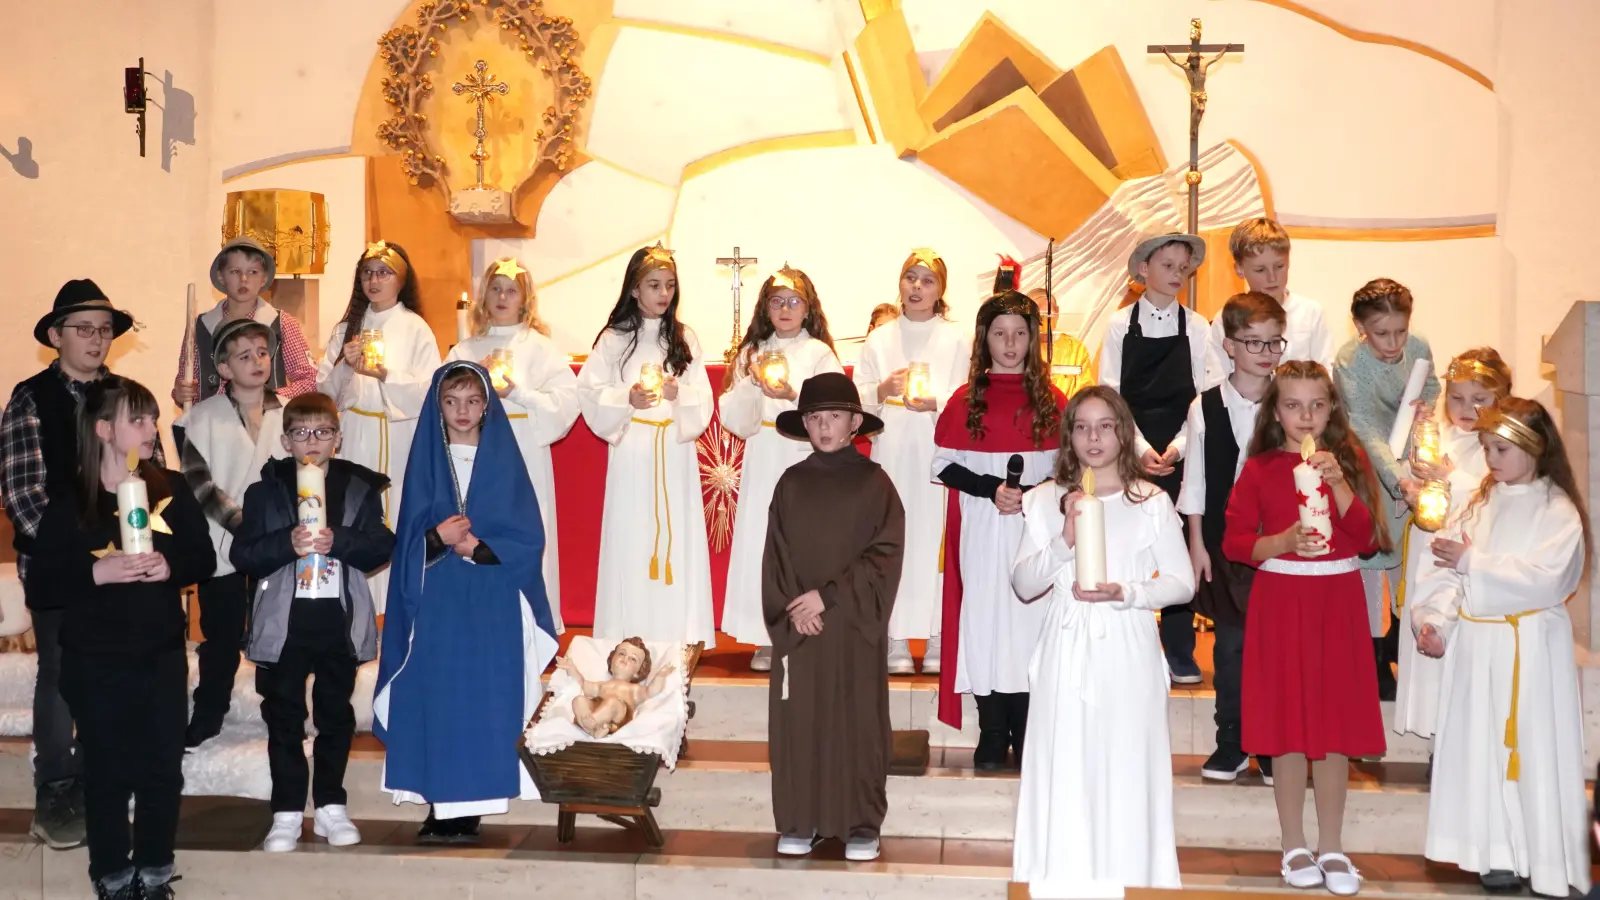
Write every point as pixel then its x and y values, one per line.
pixel 919 382
pixel 651 377
pixel 1425 442
pixel 499 368
pixel 372 348
pixel 1433 506
pixel 773 369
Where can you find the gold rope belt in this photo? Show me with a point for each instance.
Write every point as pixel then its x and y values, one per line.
pixel 383 450
pixel 1405 565
pixel 1514 765
pixel 660 496
pixel 516 415
pixel 766 424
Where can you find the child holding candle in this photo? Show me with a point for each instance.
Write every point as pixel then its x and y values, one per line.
pixel 1221 421
pixel 908 370
pixel 313 612
pixel 379 394
pixel 787 342
pixel 124 667
pixel 1507 799
pixel 534 382
pixel 1154 355
pixel 241 270
pixel 1260 251
pixel 1475 381
pixel 996 438
pixel 225 440
pixel 1095 809
pixel 1308 697
pixel 644 391
pixel 1371 372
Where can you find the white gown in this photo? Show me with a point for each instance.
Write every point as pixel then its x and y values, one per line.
pixel 542 405
pixel 1094 814
pixel 1525 560
pixel 751 415
pixel 905 450
pixel 653 526
pixel 1416 706
pixel 998 630
pixel 378 418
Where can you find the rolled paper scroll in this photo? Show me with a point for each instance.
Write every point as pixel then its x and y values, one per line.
pixel 1408 413
pixel 1316 514
pixel 1089 546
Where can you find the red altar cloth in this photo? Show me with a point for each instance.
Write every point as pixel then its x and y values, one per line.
pixel 580 460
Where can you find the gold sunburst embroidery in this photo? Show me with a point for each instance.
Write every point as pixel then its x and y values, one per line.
pixel 721 456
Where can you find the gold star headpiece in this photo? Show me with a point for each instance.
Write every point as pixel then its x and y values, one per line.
pixel 1495 421
pixel 933 262
pixel 508 267
pixel 387 255
pixel 1473 370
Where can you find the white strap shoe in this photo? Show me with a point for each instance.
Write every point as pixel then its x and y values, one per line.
pixel 1341 882
pixel 1304 877
pixel 332 822
pixel 285 833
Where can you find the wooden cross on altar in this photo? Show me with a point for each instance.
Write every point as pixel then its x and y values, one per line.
pixel 480 88
pixel 737 263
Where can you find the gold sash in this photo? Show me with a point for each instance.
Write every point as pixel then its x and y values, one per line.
pixel 660 496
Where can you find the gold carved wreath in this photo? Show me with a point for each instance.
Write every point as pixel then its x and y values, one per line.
pixel 406 49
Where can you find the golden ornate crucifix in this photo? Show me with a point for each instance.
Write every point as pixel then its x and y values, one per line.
pixel 1195 66
pixel 480 88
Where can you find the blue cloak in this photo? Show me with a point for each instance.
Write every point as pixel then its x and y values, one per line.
pixel 453 656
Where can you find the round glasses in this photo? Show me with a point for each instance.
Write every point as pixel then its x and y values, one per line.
pixel 785 303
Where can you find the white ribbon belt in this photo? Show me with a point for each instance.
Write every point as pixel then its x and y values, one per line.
pixel 1311 566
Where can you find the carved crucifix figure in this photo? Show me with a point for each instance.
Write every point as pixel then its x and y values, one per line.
pixel 737 263
pixel 480 88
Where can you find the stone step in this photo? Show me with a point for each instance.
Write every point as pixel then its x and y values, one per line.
pixel 217 857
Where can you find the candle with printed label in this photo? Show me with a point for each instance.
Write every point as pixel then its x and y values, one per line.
pixel 133 510
pixel 1315 513
pixel 312 507
pixel 1089 532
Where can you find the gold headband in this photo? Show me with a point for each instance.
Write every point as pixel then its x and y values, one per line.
pixel 508 267
pixel 1472 370
pixel 1494 421
pixel 382 252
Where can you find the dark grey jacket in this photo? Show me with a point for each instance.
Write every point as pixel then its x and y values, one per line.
pixel 262 550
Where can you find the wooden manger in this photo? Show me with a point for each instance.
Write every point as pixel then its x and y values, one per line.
pixel 605 780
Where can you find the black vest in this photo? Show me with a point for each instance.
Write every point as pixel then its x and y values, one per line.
pixel 206 365
pixel 58 444
pixel 1221 462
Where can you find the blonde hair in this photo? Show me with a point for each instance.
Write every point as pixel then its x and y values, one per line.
pixel 1255 235
pixel 478 314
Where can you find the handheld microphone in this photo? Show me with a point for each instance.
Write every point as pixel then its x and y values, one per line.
pixel 1014 471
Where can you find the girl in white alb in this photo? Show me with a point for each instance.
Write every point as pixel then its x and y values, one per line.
pixel 788 342
pixel 534 381
pixel 1094 815
pixel 908 369
pixel 1507 799
pixel 379 389
pixel 644 391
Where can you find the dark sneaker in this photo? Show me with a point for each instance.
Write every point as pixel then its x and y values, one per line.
pixel 128 887
pixel 157 883
pixel 1225 764
pixel 58 815
pixel 1264 763
pixel 202 729
pixel 463 830
pixel 433 831
pixel 1185 671
pixel 1500 881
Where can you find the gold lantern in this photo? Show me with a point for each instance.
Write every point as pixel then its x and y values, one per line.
pixel 919 381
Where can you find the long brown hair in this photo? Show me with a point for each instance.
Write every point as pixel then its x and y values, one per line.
pixel 1337 438
pixel 627 318
pixel 815 323
pixel 1046 415
pixel 356 310
pixel 1552 463
pixel 107 400
pixel 1069 470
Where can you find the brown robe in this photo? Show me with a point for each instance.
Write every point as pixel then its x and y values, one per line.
pixel 835 526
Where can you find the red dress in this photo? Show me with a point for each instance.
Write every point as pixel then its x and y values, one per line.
pixel 1310 682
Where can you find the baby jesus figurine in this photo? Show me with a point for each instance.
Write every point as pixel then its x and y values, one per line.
pixel 605 706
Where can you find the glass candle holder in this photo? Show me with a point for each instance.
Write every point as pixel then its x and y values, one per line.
pixel 1425 442
pixel 499 368
pixel 773 369
pixel 651 377
pixel 1433 506
pixel 919 381
pixel 372 348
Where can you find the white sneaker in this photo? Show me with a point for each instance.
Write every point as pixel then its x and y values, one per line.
pixel 1340 883
pixel 762 660
pixel 285 833
pixel 861 849
pixel 333 822
pixel 900 658
pixel 930 659
pixel 796 845
pixel 1306 877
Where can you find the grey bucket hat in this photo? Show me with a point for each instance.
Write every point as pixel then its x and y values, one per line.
pixel 241 243
pixel 1148 247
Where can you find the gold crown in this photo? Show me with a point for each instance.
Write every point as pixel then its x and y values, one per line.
pixel 1495 421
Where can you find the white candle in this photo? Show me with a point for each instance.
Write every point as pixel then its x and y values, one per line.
pixel 1315 513
pixel 312 509
pixel 461 318
pixel 1089 546
pixel 133 515
pixel 1408 413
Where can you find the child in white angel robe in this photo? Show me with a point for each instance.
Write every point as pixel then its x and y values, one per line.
pixel 905 450
pixel 749 413
pixel 1095 811
pixel 378 418
pixel 542 403
pixel 1524 559
pixel 655 565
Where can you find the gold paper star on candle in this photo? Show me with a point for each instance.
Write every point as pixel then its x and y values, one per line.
pixel 110 550
pixel 133 460
pixel 156 522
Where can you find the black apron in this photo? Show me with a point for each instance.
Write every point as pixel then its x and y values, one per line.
pixel 1158 383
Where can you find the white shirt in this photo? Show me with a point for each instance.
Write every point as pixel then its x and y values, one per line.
pixel 1304 329
pixel 1155 323
pixel 1242 417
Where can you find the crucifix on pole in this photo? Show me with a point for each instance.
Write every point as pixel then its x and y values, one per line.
pixel 480 88
pixel 1195 65
pixel 737 263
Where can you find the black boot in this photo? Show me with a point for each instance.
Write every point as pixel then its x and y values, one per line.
pixel 1386 682
pixel 1017 723
pixel 990 756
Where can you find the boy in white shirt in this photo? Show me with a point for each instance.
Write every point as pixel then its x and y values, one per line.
pixel 1260 250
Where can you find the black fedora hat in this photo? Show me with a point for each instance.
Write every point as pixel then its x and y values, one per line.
pixel 80 295
pixel 830 390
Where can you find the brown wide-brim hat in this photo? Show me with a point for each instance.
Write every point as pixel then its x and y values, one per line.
pixel 830 390
pixel 269 267
pixel 80 295
pixel 1148 247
